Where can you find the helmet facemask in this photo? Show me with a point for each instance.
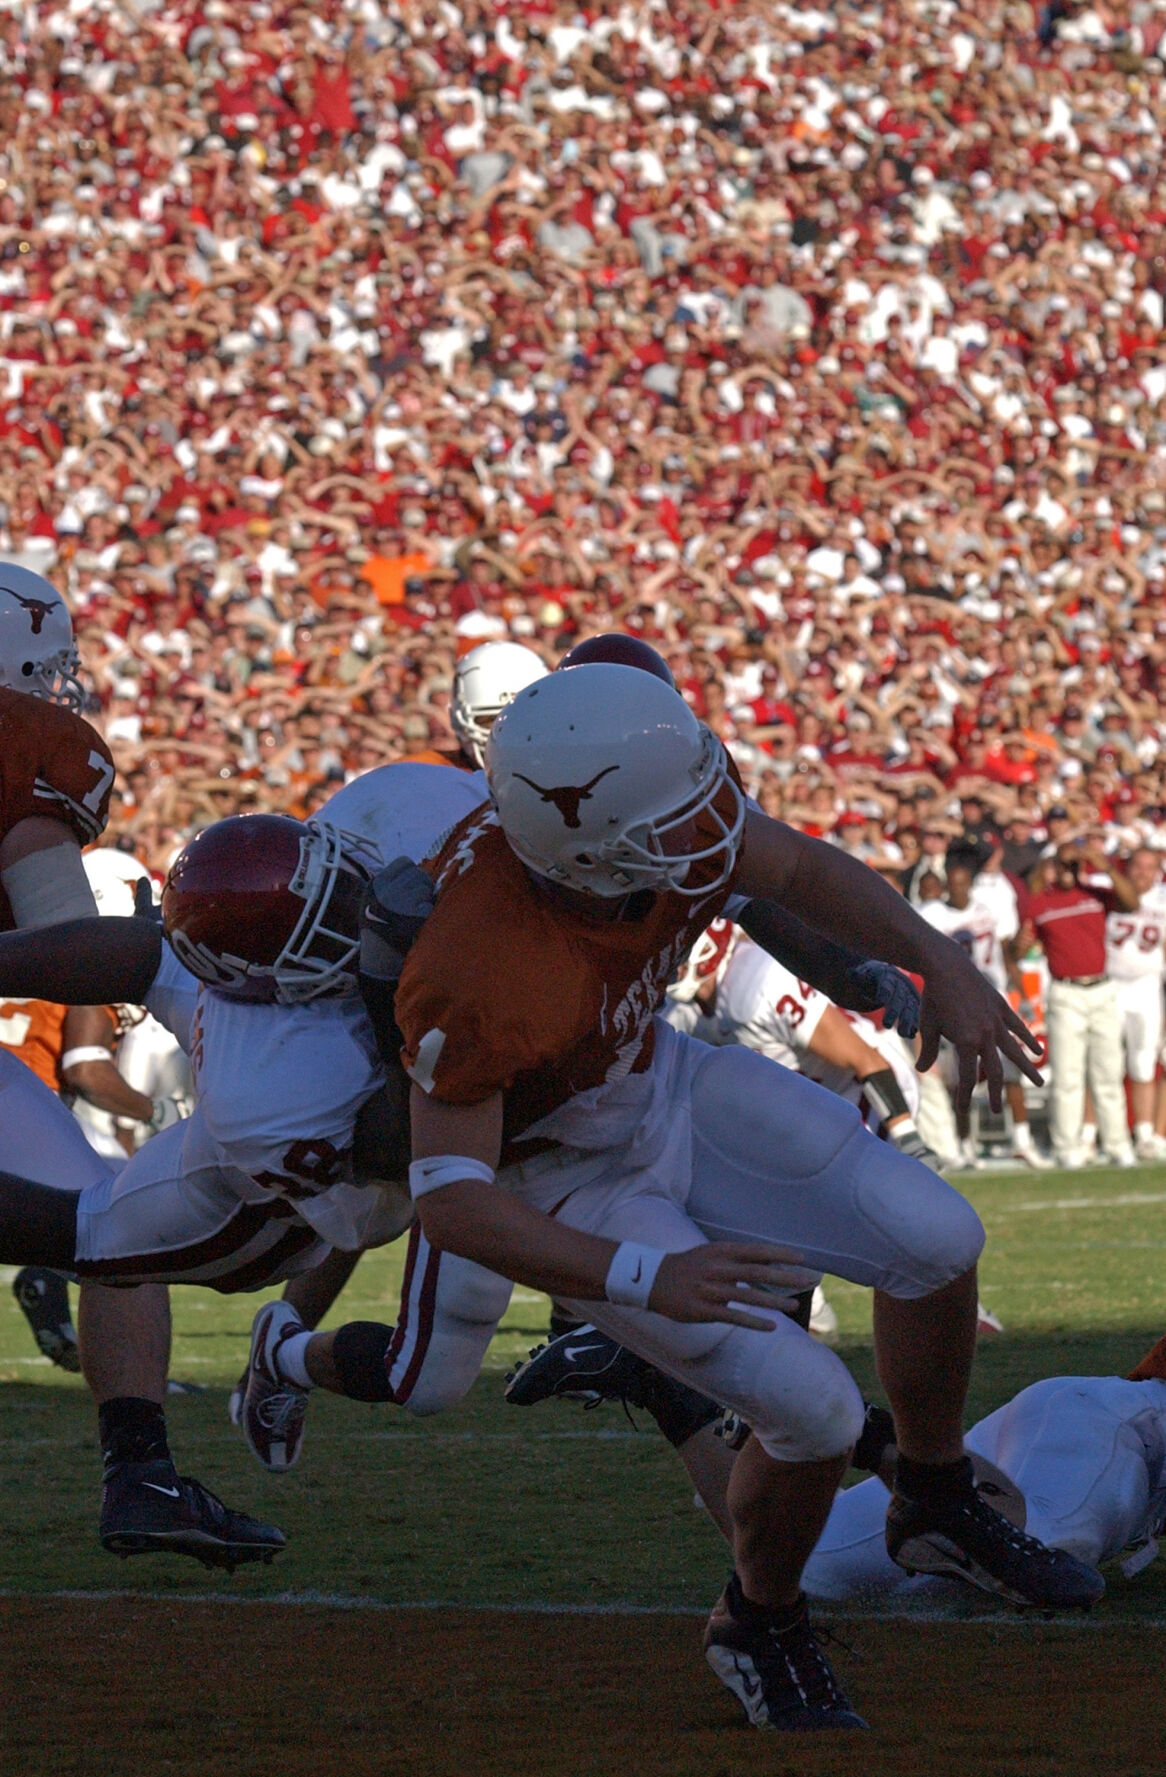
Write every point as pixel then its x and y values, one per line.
pixel 659 853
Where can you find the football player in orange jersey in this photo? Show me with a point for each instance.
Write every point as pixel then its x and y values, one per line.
pixel 670 1196
pixel 56 773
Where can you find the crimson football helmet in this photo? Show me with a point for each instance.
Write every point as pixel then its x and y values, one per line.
pixel 266 908
pixel 618 650
pixel 605 782
pixel 705 960
pixel 37 652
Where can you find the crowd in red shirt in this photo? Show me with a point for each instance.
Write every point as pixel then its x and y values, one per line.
pixel 823 347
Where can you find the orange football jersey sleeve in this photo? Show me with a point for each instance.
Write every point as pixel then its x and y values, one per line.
pixel 52 763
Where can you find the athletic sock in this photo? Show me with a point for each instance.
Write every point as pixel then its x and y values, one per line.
pixel 289 1360
pixel 761 1616
pixel 132 1430
pixel 1143 1132
pixel 934 1483
pixel 1088 1135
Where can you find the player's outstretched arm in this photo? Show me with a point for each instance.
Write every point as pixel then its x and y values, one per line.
pixel 845 976
pixel 853 905
pixel 82 962
pixel 463 1211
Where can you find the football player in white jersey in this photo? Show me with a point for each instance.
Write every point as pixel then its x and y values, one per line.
pixel 1135 959
pixel 984 926
pixel 1086 1455
pixel 257 1182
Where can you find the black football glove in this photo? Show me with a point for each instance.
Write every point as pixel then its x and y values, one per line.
pixel 892 992
pixel 397 903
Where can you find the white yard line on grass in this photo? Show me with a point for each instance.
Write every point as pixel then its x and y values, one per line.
pixel 346 1602
pixel 1045 1203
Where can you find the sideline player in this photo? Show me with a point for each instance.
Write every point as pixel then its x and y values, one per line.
pixel 1135 959
pixel 1084 1030
pixel 1087 1454
pixel 55 777
pixel 986 929
pixel 527 1006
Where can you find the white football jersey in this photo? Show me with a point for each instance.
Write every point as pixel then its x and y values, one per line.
pixel 761 1005
pixel 279 1088
pixel 1133 941
pixel 977 929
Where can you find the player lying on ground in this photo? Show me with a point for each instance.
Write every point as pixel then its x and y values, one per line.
pixel 1087 1455
pixel 527 1007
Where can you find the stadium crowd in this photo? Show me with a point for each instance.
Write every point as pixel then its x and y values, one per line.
pixel 824 349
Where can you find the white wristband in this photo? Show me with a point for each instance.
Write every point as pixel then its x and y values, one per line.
pixel 632 1273
pixel 446 1169
pixel 88 1052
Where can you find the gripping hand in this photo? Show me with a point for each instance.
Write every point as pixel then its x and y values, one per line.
pixel 398 902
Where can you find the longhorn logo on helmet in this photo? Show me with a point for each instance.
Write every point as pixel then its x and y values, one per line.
pixel 567 797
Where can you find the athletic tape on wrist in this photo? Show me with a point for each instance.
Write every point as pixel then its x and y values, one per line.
pixel 48 887
pixel 446 1169
pixel 632 1273
pixel 87 1052
pixel 886 1094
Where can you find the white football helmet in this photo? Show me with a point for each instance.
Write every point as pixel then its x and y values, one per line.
pixel 486 680
pixel 113 876
pixel 37 653
pixel 605 781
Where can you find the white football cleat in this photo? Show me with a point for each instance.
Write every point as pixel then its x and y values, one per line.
pixel 969 1156
pixel 1151 1147
pixel 273 1409
pixel 1122 1157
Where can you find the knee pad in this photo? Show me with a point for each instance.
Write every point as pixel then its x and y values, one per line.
pixel 358 1352
pixel 930 1235
pixel 808 1407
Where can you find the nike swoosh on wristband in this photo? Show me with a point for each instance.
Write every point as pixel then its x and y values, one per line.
pixel 170 1492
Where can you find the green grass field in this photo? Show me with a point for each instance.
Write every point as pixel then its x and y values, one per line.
pixel 491 1505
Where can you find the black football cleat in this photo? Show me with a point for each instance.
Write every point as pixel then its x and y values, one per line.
pixel 774 1665
pixel 962 1537
pixel 43 1296
pixel 580 1365
pixel 148 1508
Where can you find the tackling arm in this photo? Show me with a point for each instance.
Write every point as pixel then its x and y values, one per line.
pixel 853 905
pixel 82 962
pixel 93 1076
pixel 478 1219
pixel 849 979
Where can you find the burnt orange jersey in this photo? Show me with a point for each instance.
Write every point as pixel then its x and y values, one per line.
pixel 51 763
pixel 34 1031
pixel 507 990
